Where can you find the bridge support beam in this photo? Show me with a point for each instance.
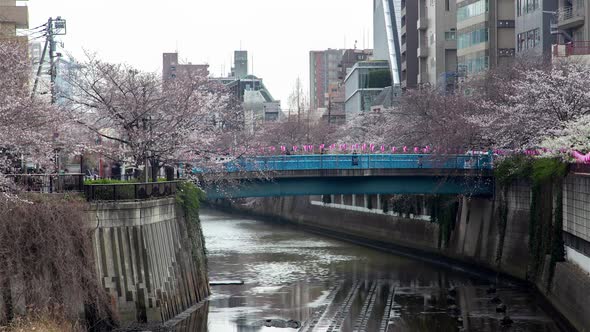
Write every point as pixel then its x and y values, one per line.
pixel 350 186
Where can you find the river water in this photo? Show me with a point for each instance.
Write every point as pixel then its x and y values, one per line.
pixel 299 281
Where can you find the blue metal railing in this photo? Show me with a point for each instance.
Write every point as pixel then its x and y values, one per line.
pixel 352 161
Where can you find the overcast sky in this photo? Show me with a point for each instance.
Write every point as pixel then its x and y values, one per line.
pixel 278 34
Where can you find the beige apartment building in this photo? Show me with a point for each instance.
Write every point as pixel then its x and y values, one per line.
pixel 437 44
pixel 13 16
pixel 485 34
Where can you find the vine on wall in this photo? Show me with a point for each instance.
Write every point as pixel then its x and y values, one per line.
pixel 189 197
pixel 502 225
pixel 443 211
pixel 546 213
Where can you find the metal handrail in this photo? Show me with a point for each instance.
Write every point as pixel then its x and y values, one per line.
pixel 49 183
pixel 566 13
pixel 130 191
pixel 361 161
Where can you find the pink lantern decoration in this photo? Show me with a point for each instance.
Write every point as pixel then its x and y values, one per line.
pixel 322 146
pixel 393 149
pixel 295 148
pixel 416 150
pixel 283 148
pixel 382 148
pixel 405 149
pixel 364 147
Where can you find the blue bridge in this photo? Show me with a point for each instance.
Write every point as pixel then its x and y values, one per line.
pixel 292 175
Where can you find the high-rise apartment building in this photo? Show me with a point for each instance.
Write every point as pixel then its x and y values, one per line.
pixel 437 44
pixel 409 43
pixel 533 27
pixel 324 71
pixel 13 16
pixel 485 34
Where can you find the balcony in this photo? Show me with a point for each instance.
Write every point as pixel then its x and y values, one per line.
pixel 19 15
pixel 571 49
pixel 422 23
pixel 571 16
pixel 423 51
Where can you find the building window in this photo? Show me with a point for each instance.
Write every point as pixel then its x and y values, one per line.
pixel 470 38
pixel 447 5
pixel 524 7
pixel 528 40
pixel 474 65
pixel 474 9
pixel 450 35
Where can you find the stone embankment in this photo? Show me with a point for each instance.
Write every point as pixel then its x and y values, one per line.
pixel 146 259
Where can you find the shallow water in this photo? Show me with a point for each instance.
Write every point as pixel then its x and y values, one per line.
pixel 292 277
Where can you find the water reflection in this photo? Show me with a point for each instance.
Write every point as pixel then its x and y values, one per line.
pixel 326 285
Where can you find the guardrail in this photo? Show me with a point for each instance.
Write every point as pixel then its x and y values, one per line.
pixel 573 48
pixel 364 161
pixel 49 183
pixel 130 191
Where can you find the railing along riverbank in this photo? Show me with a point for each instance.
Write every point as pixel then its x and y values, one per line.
pixel 49 183
pixel 130 191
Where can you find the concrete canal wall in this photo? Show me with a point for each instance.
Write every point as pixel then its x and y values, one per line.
pixel 488 233
pixel 146 259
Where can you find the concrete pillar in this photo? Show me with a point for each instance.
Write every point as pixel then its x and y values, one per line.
pixel 366 201
pixel 379 202
pixel 332 199
pixel 342 199
pixel 353 200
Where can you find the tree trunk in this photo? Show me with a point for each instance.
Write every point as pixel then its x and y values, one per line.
pixel 155 169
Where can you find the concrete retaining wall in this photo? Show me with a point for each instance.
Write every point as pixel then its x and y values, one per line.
pixel 144 259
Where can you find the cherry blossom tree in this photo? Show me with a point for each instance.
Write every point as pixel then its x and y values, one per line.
pixel 421 118
pixel 519 106
pixel 150 122
pixel 29 127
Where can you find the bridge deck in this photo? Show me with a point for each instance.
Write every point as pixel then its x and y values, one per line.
pixel 356 174
pixel 355 162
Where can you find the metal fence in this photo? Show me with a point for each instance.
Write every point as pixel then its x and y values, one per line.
pixel 364 161
pixel 48 183
pixel 130 191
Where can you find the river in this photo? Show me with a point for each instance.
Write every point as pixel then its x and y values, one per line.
pixel 299 281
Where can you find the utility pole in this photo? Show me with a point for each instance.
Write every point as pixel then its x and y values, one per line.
pixel 54 27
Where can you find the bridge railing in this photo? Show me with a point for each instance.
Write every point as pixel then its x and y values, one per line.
pixel 130 191
pixel 364 161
